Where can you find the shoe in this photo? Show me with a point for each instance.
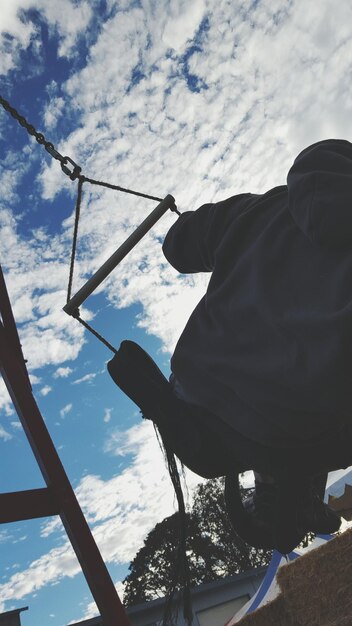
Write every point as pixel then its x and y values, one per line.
pixel 252 521
pixel 279 515
pixel 317 517
pixel 300 510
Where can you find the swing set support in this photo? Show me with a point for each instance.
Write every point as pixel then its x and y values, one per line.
pixel 74 303
pixel 58 498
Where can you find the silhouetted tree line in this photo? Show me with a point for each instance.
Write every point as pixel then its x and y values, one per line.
pixel 214 550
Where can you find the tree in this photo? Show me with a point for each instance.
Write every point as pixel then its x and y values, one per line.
pixel 213 548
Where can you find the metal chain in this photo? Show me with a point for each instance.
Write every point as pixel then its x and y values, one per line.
pixel 68 166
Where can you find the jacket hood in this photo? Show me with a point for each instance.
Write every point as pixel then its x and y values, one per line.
pixel 320 192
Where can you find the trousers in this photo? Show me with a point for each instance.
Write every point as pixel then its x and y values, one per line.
pixel 210 447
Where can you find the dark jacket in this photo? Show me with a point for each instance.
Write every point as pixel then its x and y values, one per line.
pixel 268 349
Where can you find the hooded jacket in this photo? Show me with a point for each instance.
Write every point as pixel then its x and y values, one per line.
pixel 268 349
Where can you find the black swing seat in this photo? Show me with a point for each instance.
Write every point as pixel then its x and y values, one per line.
pixel 138 376
pixel 277 518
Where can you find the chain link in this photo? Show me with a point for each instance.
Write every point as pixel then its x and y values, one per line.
pixel 68 166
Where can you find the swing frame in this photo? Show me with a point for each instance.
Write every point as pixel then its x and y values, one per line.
pixel 58 497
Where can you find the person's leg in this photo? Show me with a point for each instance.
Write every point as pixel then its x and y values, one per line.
pixel 287 502
pixel 263 478
pixel 197 438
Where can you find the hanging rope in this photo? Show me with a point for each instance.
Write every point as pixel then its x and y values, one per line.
pixel 94 332
pixel 116 188
pixel 74 238
pixel 76 314
pixel 73 171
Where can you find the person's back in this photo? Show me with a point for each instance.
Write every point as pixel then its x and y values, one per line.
pixel 268 349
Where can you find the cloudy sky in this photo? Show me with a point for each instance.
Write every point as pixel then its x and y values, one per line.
pixel 199 99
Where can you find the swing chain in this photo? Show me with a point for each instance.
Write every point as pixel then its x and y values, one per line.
pixel 68 166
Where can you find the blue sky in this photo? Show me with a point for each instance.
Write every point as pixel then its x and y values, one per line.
pixel 202 100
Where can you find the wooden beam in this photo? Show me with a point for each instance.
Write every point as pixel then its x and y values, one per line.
pixel 77 529
pixel 30 504
pixel 10 325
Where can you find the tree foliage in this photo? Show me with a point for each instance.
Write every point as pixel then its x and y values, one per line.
pixel 214 550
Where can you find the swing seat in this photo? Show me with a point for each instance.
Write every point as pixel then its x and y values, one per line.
pixel 138 376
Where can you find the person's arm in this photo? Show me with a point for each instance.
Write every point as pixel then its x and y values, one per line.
pixel 192 241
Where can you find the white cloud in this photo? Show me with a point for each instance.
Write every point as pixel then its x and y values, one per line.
pixel 63 372
pixel 49 527
pixel 6 405
pixel 35 380
pixel 4 435
pixel 85 379
pixel 36 280
pixel 16 29
pixel 68 19
pixel 23 308
pixel 182 21
pixel 107 415
pixel 66 409
pixel 5 536
pixel 20 539
pixel 50 567
pixel 53 112
pixel 45 390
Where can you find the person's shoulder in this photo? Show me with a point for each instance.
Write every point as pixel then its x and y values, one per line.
pixel 275 191
pixel 270 197
pixel 235 198
pixel 252 197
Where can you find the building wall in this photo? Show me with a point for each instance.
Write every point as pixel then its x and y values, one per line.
pixel 221 613
pixel 213 604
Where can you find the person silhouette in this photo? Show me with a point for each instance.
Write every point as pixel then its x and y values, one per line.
pixel 261 372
